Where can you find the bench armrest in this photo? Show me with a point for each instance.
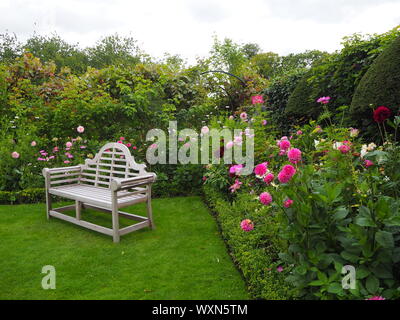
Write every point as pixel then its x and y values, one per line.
pixel 47 171
pixel 67 174
pixel 120 184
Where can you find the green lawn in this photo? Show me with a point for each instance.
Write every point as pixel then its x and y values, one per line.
pixel 184 258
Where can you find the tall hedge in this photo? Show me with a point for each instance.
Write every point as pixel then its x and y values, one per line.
pixel 379 86
pixel 299 102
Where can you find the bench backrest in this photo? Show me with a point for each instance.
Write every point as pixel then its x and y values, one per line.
pixel 114 160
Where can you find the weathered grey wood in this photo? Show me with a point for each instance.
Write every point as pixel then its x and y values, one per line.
pixel 82 223
pixel 78 210
pixel 109 181
pixel 149 209
pixel 115 217
pixel 134 227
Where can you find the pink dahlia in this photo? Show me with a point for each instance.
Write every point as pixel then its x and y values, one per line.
pixel 269 178
pixel 344 148
pixel 235 169
pixel 235 186
pixel 284 144
pixel 261 169
pixel 15 155
pixel 287 203
pixel 257 99
pixel 324 100
pixel 294 155
pixel 265 198
pixel 286 173
pixel 376 298
pixel 368 163
pixel 247 225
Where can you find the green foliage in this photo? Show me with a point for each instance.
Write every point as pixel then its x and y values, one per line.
pixel 338 75
pixel 254 253
pixel 379 86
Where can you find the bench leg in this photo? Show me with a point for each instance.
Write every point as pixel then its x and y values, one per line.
pixel 78 209
pixel 115 218
pixel 48 204
pixel 149 210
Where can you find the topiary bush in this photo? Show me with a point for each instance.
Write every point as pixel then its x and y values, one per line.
pixel 299 102
pixel 379 86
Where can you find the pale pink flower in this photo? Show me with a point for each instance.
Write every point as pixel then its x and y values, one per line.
pixel 279 269
pixel 324 100
pixel 247 225
pixel 238 140
pixel 122 138
pixel 265 198
pixel 33 143
pixel 257 99
pixel 205 130
pixel 294 155
pixel 243 116
pixel 354 132
pixel 67 161
pixel 187 145
pixel 80 129
pixel 229 145
pixel 83 147
pixel 231 117
pixel 236 169
pixel 269 178
pixel 15 155
pixel 299 132
pixel 68 144
pixel 287 203
pixel 41 159
pixel 55 149
pixel 235 186
pixel 134 147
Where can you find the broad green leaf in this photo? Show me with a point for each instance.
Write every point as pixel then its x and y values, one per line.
pixel 372 284
pixel 385 239
pixel 335 288
pixel 340 213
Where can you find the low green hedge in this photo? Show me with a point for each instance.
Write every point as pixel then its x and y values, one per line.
pixel 254 252
pixel 32 195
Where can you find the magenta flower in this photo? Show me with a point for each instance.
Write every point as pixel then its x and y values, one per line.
pixel 134 147
pixel 264 122
pixel 236 169
pixel 284 144
pixel 235 186
pixel 299 132
pixel 294 155
pixel 67 161
pixel 15 155
pixel 261 169
pixel 368 163
pixel 68 144
pixel 286 173
pixel 257 99
pixel 129 145
pixel 269 178
pixel 80 129
pixel 344 148
pixel 265 198
pixel 243 116
pixel 287 203
pixel 376 298
pixel 41 159
pixel 279 269
pixel 247 225
pixel 122 138
pixel 324 100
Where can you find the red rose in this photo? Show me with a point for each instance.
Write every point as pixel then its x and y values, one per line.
pixel 381 114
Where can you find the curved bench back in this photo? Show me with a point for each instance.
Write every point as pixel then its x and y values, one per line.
pixel 114 160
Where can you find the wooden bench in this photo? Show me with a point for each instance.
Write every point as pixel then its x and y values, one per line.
pixel 109 181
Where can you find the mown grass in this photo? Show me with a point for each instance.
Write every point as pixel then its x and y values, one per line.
pixel 183 258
